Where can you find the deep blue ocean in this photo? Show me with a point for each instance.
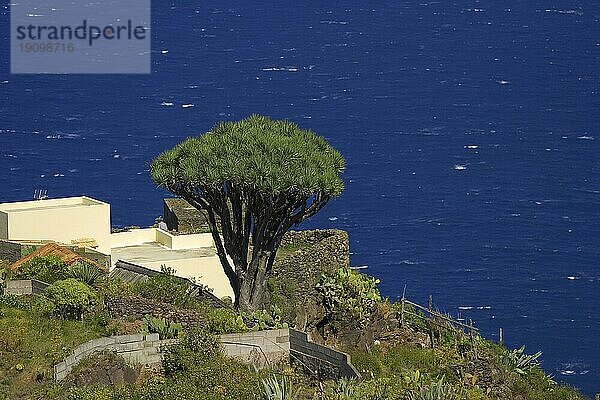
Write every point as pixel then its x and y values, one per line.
pixel 470 130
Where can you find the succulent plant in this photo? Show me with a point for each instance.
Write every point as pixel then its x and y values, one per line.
pixel 343 389
pixel 84 272
pixel 520 362
pixel 275 389
pixel 263 320
pixel 165 329
pixel 348 294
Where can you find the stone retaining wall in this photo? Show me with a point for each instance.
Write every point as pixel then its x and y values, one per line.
pixel 259 348
pixel 25 287
pixel 320 360
pixel 135 349
pixel 137 307
pixel 296 272
pixel 272 347
pixel 10 251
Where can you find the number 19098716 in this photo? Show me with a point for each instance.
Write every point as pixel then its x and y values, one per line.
pixel 47 47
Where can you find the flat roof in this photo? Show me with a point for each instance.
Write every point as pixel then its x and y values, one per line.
pixel 156 252
pixel 65 202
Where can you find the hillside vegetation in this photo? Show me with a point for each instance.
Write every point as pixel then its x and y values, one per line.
pixel 396 362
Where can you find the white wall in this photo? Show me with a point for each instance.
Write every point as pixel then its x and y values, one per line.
pixel 206 270
pixel 136 237
pixel 60 220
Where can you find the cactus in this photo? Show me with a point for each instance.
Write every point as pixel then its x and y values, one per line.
pixel 348 294
pixel 165 329
pixel 261 320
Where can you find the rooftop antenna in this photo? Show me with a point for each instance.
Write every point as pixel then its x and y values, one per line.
pixel 40 194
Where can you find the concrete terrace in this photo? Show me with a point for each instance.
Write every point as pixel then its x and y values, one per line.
pixel 151 252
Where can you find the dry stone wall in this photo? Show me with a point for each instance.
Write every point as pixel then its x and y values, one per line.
pixel 303 257
pixel 137 307
pixel 135 349
pixel 10 251
pixel 264 348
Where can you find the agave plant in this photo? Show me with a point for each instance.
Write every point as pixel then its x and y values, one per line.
pixel 549 380
pixel 84 272
pixel 520 362
pixel 343 389
pixel 439 390
pixel 275 389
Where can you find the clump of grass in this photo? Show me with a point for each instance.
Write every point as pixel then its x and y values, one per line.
pixel 36 343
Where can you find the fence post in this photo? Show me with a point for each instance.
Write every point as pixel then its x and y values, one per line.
pixel 431 325
pixel 402 313
pixel 471 331
pixel 472 337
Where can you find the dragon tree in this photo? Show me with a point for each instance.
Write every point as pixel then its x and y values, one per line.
pixel 254 179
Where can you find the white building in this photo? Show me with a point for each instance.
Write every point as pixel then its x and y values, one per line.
pixel 85 222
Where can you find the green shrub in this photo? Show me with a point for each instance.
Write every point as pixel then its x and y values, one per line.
pixel 343 389
pixel 85 272
pixel 223 320
pixel 379 389
pixel 165 287
pixel 71 297
pixel 14 301
pixel 47 269
pixel 114 288
pixel 43 306
pixel 36 304
pixel 348 295
pixel 195 347
pixel 405 357
pixel 536 385
pixel 368 364
pixel 99 318
pixel 475 394
pixel 437 390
